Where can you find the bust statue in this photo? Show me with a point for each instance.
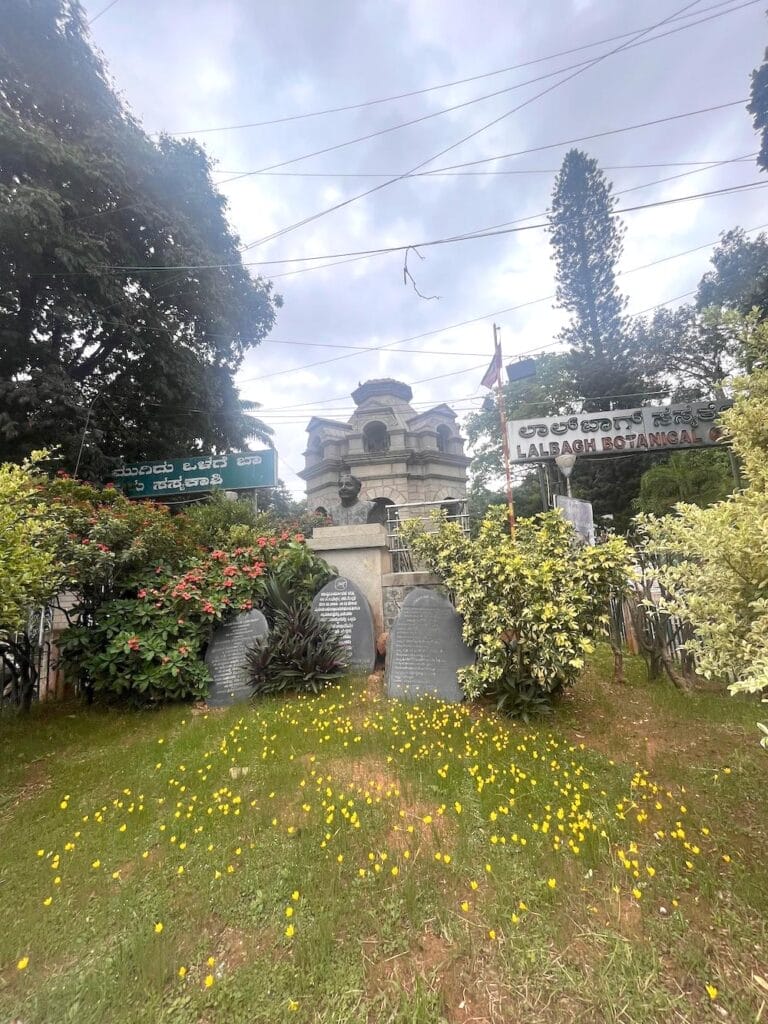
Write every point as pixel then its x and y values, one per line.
pixel 349 489
pixel 350 511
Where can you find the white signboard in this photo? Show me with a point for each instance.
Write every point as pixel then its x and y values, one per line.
pixel 649 428
pixel 579 514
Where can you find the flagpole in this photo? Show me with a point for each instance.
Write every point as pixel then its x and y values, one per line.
pixel 504 438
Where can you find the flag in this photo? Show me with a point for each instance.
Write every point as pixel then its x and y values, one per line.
pixel 492 373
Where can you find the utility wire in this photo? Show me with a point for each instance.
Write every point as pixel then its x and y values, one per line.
pixel 457 174
pixel 634 188
pixel 365 348
pixel 102 11
pixel 452 168
pixel 466 138
pixel 445 110
pixel 532 351
pixel 433 88
pixel 487 316
pixel 467 236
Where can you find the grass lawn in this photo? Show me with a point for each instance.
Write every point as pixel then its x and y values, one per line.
pixel 350 859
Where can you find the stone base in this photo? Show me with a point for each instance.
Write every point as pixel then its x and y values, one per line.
pixel 361 554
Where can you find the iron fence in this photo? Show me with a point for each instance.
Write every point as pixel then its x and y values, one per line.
pixel 452 510
pixel 25 659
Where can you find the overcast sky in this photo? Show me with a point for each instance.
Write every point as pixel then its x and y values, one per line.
pixel 189 65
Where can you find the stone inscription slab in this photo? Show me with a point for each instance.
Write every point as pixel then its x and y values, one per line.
pixel 346 608
pixel 425 648
pixel 226 658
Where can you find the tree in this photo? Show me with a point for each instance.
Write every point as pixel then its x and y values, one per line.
pixel 29 569
pixel 696 477
pixel 739 278
pixel 690 351
pixel 758 108
pixel 713 562
pixel 539 395
pixel 587 241
pixel 101 326
pixel 602 361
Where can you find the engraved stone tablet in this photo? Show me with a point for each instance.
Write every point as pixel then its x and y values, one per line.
pixel 346 608
pixel 425 648
pixel 226 658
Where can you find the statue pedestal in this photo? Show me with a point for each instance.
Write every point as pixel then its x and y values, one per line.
pixel 361 554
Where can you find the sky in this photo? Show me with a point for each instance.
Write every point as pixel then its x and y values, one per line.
pixel 187 66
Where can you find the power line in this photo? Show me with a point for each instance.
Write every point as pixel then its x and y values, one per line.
pixel 488 316
pixel 433 88
pixel 455 168
pixel 102 11
pixel 445 110
pixel 467 236
pixel 648 184
pixel 478 131
pixel 461 174
pixel 469 369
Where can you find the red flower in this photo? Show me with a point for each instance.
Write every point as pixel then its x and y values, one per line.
pixel 142 593
pixel 219 555
pixel 262 542
pixel 284 535
pixel 228 583
pixel 208 608
pixel 299 538
pixel 134 643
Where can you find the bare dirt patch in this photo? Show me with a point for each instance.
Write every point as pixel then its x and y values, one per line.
pixel 468 991
pixel 232 947
pixel 36 780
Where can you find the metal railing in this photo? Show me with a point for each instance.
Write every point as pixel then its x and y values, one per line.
pixel 25 660
pixel 452 510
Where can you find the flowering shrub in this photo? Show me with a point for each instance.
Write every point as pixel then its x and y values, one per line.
pixel 149 647
pixel 108 542
pixel 531 606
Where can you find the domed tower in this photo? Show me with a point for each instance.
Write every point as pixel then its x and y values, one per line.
pixel 393 455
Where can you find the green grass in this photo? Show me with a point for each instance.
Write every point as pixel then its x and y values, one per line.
pixel 448 865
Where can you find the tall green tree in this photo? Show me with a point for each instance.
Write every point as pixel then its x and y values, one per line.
pixel 587 241
pixel 602 362
pixel 102 322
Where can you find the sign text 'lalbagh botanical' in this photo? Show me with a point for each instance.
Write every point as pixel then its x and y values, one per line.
pixel 657 427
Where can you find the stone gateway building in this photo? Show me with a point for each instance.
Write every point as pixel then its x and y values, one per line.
pixel 385 454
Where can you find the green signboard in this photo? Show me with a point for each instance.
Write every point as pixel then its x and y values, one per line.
pixel 196 473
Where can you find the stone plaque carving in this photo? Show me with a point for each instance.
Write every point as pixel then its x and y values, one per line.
pixel 346 608
pixel 226 658
pixel 425 648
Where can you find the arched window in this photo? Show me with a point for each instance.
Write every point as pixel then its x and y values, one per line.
pixel 443 438
pixel 379 510
pixel 451 508
pixel 375 437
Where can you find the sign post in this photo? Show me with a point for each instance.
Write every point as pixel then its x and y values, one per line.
pixel 196 474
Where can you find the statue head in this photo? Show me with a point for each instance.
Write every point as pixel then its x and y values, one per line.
pixel 349 488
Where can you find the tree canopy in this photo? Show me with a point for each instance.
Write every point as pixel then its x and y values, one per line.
pixel 124 302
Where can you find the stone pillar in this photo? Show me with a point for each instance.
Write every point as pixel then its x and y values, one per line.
pixel 361 554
